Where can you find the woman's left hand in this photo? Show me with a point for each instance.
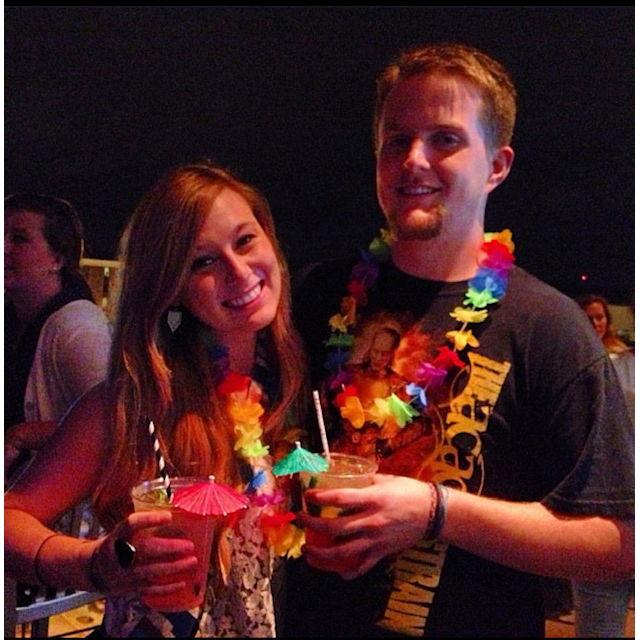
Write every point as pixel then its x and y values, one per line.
pixel 155 556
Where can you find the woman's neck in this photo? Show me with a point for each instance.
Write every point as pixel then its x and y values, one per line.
pixel 242 355
pixel 28 304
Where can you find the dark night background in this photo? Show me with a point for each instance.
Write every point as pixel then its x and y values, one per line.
pixel 99 101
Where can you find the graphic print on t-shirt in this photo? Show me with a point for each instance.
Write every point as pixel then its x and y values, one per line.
pixel 433 433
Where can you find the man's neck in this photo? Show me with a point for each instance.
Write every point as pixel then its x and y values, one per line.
pixel 439 258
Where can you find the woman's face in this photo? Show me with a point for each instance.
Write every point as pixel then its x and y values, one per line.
pixel 236 281
pixel 596 313
pixel 29 262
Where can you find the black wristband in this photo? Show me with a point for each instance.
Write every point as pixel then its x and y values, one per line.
pixel 438 521
pixel 433 511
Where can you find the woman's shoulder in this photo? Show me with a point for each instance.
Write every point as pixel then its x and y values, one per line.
pixel 79 319
pixel 79 311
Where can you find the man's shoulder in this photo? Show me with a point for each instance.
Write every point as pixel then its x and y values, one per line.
pixel 534 310
pixel 320 283
pixel 529 294
pixel 317 291
pixel 312 273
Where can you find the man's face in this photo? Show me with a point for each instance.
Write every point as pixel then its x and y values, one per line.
pixel 434 171
pixel 381 351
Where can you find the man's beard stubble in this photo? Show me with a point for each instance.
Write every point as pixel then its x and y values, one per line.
pixel 427 227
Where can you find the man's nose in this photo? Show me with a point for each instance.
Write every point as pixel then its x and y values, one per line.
pixel 417 156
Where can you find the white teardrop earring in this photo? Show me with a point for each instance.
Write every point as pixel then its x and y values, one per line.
pixel 174 318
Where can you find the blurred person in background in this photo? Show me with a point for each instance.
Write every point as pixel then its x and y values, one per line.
pixel 57 339
pixel 601 607
pixel 597 310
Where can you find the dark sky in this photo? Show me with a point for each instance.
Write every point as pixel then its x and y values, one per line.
pixel 99 101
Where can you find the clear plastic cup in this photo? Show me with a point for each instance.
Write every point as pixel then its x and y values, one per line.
pixel 149 496
pixel 345 472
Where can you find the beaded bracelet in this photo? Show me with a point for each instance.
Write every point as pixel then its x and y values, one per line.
pixel 36 559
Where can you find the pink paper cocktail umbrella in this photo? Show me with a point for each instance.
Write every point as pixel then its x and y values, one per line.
pixel 209 498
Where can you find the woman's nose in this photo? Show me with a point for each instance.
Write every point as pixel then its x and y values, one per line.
pixel 237 267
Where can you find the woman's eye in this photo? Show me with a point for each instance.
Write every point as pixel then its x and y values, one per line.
pixel 203 262
pixel 245 239
pixel 19 238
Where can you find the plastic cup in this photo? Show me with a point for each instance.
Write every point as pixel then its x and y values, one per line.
pixel 345 472
pixel 149 496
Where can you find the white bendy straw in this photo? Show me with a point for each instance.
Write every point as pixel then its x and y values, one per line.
pixel 161 466
pixel 323 430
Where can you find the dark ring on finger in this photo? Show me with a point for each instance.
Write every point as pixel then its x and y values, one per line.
pixel 125 552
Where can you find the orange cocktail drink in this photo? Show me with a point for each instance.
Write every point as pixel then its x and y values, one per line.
pixel 150 495
pixel 345 472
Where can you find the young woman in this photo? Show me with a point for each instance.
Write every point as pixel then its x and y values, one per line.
pixel 204 304
pixel 57 340
pixel 601 607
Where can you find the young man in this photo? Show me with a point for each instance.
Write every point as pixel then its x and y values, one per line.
pixel 524 464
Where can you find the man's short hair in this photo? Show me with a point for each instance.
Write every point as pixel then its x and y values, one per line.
pixel 496 88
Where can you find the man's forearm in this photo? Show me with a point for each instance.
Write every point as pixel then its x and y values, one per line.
pixel 529 537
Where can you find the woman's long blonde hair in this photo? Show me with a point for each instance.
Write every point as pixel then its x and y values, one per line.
pixel 164 376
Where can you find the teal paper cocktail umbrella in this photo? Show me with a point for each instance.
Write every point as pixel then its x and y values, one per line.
pixel 300 460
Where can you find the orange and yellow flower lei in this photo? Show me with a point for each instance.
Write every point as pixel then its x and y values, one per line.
pixel 243 405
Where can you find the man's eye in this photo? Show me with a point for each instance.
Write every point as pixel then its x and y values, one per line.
pixel 397 142
pixel 445 139
pixel 203 262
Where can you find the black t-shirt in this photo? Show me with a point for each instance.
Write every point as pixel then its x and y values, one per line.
pixel 538 417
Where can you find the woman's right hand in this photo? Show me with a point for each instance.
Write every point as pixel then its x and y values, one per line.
pixel 156 556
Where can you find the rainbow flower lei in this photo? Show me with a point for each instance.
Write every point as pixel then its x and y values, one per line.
pixel 242 398
pixel 487 287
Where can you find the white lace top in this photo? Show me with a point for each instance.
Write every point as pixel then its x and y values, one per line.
pixel 242 608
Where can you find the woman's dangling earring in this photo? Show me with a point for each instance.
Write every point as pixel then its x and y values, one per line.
pixel 174 318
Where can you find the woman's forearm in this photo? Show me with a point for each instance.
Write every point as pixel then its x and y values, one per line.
pixel 30 435
pixel 36 554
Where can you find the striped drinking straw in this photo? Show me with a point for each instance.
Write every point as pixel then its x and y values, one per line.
pixel 161 466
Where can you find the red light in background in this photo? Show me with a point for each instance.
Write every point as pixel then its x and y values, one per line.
pixel 584 277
